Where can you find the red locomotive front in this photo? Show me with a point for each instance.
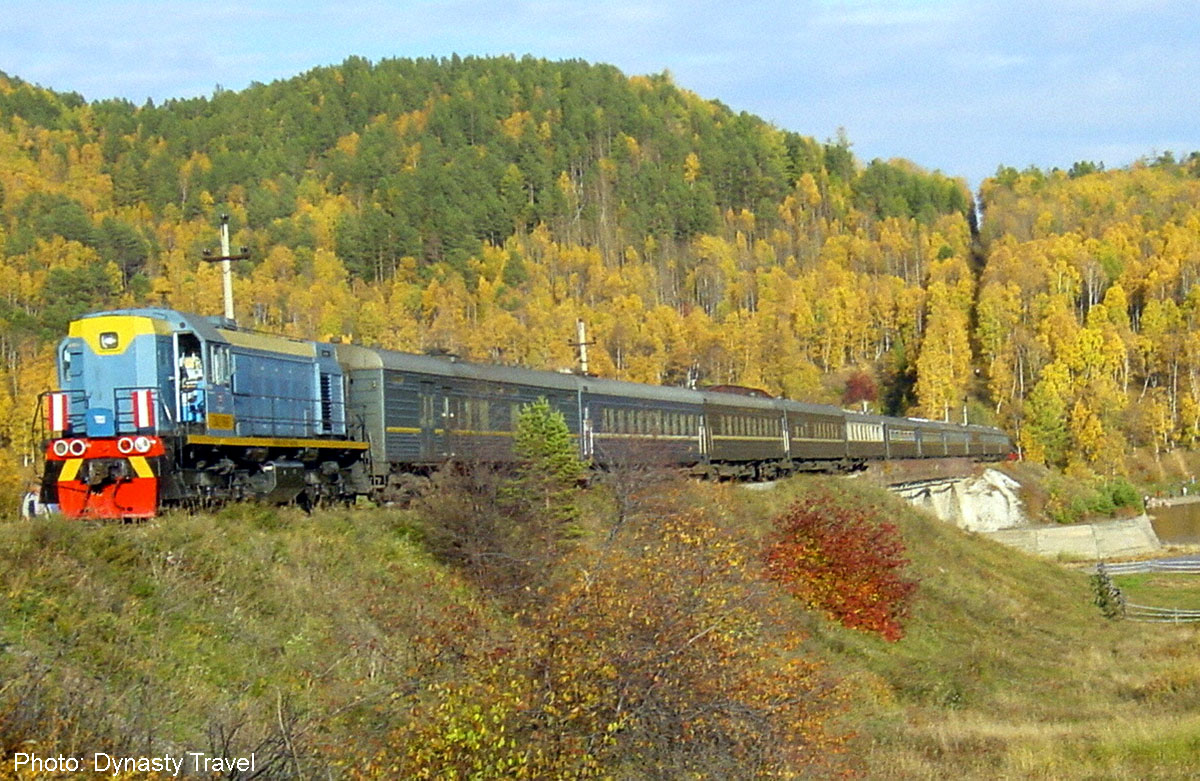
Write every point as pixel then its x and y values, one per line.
pixel 110 477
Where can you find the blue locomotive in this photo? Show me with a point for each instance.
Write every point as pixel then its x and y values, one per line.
pixel 159 408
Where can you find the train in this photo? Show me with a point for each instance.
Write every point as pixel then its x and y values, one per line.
pixel 158 408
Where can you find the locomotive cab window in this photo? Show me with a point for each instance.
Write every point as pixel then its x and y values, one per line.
pixel 72 361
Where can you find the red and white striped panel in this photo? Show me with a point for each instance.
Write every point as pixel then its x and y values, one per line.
pixel 57 408
pixel 143 409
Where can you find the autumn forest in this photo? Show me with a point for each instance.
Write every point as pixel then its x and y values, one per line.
pixel 480 206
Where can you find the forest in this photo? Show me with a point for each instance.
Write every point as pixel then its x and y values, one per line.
pixel 481 205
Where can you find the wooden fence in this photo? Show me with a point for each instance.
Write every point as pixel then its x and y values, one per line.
pixel 1146 613
pixel 1160 615
pixel 1137 567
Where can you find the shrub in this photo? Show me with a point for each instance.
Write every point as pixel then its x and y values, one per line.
pixel 1074 499
pixel 1106 595
pixel 1123 494
pixel 842 561
pixel 505 528
pixel 659 654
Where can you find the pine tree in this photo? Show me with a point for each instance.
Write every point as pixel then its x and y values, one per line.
pixel 550 467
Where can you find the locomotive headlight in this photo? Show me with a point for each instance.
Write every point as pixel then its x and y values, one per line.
pixel 109 340
pixel 77 447
pixel 142 444
pixel 125 445
pixel 61 447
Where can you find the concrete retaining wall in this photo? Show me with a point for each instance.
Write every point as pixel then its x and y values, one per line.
pixel 1109 539
pixel 988 503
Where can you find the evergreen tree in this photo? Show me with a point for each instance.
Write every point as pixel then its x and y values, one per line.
pixel 550 468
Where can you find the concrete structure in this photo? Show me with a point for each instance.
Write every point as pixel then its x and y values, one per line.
pixel 985 502
pixel 988 503
pixel 1104 540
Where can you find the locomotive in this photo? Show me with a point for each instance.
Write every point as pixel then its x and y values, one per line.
pixel 160 408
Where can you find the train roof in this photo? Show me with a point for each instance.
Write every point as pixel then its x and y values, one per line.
pixel 812 408
pixel 724 399
pixel 357 357
pixel 637 390
pixel 214 329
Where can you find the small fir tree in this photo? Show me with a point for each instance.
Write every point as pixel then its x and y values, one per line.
pixel 1108 596
pixel 550 467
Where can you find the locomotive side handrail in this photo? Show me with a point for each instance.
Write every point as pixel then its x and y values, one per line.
pixel 78 405
pixel 277 424
pixel 76 410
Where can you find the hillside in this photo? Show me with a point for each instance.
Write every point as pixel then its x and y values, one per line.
pixel 481 206
pixel 358 642
pixel 1088 311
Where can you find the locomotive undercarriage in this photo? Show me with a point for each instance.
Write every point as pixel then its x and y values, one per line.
pixel 203 475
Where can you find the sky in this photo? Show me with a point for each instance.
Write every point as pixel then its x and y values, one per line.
pixel 960 86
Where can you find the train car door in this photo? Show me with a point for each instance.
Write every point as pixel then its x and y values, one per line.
pixel 190 381
pixel 451 408
pixel 587 443
pixel 168 383
pixel 434 421
pixel 220 415
pixel 426 420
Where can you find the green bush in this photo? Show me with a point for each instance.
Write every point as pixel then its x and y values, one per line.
pixel 1123 493
pixel 1074 500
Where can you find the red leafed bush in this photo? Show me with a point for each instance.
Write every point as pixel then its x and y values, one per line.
pixel 842 560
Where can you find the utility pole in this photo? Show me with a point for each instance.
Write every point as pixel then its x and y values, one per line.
pixel 582 343
pixel 226 268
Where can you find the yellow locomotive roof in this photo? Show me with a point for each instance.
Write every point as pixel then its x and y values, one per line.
pixel 119 331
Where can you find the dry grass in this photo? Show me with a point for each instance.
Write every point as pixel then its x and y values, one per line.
pixel 250 630
pixel 1009 671
pixel 267 626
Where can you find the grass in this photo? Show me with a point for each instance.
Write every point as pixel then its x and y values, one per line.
pixel 1171 590
pixel 265 629
pixel 254 628
pixel 1009 671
